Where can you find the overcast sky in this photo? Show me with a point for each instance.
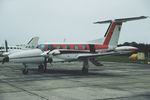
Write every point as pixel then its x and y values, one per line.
pixel 56 20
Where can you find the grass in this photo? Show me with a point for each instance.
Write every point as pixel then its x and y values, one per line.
pixel 123 59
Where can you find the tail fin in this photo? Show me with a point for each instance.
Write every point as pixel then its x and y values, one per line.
pixel 113 31
pixel 33 42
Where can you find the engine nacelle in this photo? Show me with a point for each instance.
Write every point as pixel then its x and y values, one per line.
pixel 54 52
pixel 27 56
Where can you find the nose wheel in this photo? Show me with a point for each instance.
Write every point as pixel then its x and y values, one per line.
pixel 25 71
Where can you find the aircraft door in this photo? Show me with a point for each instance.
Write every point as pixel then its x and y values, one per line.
pixel 92 48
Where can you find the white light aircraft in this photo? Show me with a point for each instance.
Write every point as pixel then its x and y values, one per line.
pixel 61 52
pixel 6 50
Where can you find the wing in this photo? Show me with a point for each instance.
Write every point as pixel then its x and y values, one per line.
pixel 81 55
pixel 87 56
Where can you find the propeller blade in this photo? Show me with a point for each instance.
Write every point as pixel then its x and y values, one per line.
pixel 45 63
pixel 6 45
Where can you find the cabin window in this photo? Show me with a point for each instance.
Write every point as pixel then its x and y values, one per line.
pixel 84 47
pixel 50 47
pixel 67 47
pixel 10 47
pixel 1 47
pixel 76 47
pixel 59 47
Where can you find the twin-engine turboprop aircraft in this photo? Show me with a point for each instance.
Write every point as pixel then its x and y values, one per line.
pixel 61 52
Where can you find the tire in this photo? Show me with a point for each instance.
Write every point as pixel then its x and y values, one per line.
pixel 85 70
pixel 25 71
pixel 41 68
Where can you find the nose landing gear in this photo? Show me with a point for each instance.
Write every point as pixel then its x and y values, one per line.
pixel 25 70
pixel 41 68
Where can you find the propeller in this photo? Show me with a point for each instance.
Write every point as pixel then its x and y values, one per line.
pixel 45 54
pixel 47 60
pixel 6 45
pixel 45 63
pixel 47 57
pixel 6 58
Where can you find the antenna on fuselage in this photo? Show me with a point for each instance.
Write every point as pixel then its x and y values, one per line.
pixel 64 40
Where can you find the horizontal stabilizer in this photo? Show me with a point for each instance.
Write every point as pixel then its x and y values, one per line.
pixel 121 20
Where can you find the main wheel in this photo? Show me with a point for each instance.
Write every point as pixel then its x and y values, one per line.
pixel 41 68
pixel 25 71
pixel 85 70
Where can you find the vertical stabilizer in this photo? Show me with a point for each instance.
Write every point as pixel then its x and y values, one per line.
pixel 33 42
pixel 113 31
pixel 112 34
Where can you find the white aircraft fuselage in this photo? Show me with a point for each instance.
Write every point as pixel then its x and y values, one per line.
pixel 33 43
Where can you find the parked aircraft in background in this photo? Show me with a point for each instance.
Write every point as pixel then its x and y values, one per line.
pixel 6 50
pixel 61 52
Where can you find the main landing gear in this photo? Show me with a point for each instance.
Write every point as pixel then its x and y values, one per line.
pixel 41 68
pixel 25 70
pixel 85 67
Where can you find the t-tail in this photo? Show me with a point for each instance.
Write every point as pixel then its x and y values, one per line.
pixel 111 36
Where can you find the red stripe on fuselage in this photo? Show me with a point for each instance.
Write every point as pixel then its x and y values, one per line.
pixel 27 57
pixel 79 46
pixel 99 47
